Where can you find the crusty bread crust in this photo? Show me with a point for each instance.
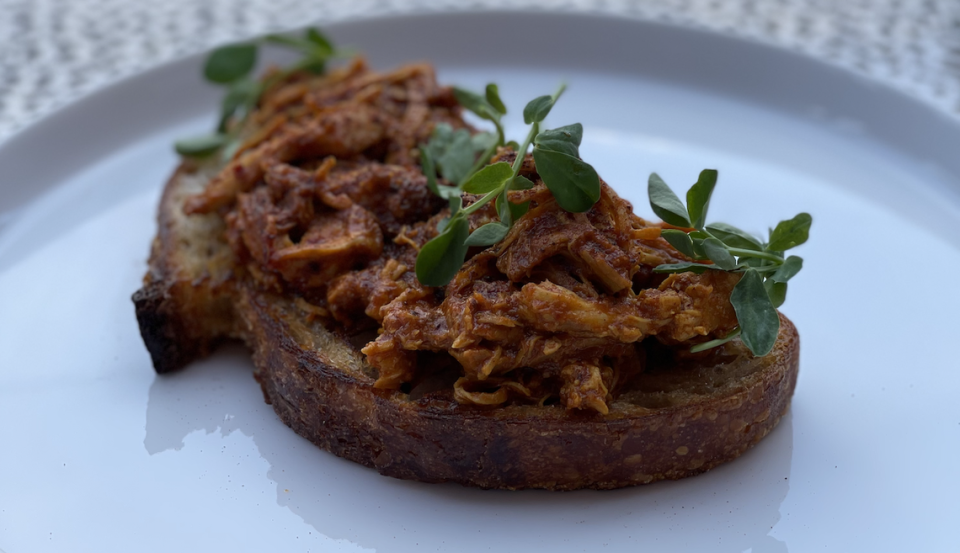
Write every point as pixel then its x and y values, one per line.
pixel 669 424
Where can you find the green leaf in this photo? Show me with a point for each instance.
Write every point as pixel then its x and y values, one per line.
pixel 565 140
pixel 776 291
pixel 513 145
pixel 453 152
pixel 791 266
pixel 229 63
pixel 758 319
pixel 665 203
pixel 698 197
pixel 440 259
pixel 441 136
pixel 320 40
pixel 200 146
pixel 243 93
pixel 429 169
pixel 734 237
pixel 698 248
pixel 493 98
pixel 476 103
pixel 457 158
pixel 489 178
pixel 717 252
pixel 487 235
pixel 483 140
pixel 685 267
pixel 456 203
pixel 790 233
pixel 508 211
pixel 537 109
pixel 574 183
pixel 520 182
pixel 679 240
pixel 519 210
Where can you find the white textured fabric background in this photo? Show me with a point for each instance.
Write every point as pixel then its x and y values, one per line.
pixel 54 51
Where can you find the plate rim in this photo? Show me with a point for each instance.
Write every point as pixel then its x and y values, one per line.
pixel 43 132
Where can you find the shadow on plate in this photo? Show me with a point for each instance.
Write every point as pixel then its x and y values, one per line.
pixel 731 508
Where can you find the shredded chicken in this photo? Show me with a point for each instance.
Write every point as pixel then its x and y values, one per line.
pixel 325 201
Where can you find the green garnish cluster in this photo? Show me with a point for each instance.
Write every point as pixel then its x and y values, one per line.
pixel 230 66
pixel 462 161
pixel 763 286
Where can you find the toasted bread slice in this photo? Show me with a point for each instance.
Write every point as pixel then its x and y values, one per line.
pixel 677 419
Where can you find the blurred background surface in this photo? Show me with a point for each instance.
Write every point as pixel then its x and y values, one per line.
pixel 54 51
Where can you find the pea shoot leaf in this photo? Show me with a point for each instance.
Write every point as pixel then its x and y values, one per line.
pixel 717 252
pixel 734 237
pixel 776 291
pixel 679 240
pixel 456 203
pixel 488 234
pixel 698 197
pixel 790 233
pixel 477 104
pixel 520 182
pixel 759 322
pixel 457 158
pixel 489 178
pixel 791 266
pixel 200 146
pixel 537 109
pixel 665 203
pixel 574 183
pixel 453 152
pixel 493 98
pixel 243 94
pixel 518 210
pixel 229 63
pixel 441 258
pixel 483 140
pixel 429 170
pixel 565 140
pixel 698 268
pixel 320 41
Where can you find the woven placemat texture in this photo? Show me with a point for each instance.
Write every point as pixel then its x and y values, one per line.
pixel 54 51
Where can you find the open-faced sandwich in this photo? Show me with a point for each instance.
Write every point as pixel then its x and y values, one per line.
pixel 443 304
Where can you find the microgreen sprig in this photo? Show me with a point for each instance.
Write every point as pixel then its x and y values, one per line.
pixel 230 66
pixel 573 182
pixel 763 286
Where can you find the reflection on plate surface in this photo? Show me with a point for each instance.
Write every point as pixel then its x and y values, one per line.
pixel 207 403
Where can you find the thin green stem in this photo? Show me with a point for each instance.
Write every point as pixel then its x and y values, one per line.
pixel 522 152
pixel 714 343
pixel 482 201
pixel 740 252
pixel 481 161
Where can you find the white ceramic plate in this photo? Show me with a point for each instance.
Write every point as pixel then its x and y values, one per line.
pixel 99 454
